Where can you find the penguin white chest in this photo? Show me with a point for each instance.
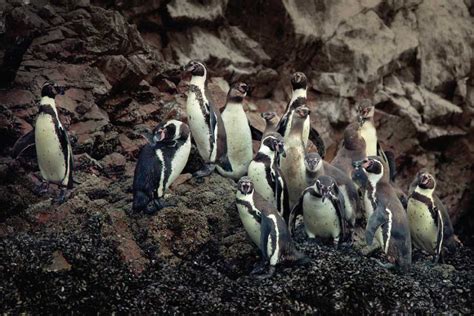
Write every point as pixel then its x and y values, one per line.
pixel 51 160
pixel 257 171
pixel 423 228
pixel 369 134
pixel 250 224
pixel 199 127
pixel 306 128
pixel 239 139
pixel 320 218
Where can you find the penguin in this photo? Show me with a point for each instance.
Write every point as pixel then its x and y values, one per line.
pixel 238 132
pixel 159 163
pixel 316 167
pixel 323 208
pixel 351 149
pixel 430 226
pixel 271 122
pixel 53 149
pixel 292 166
pixel 387 219
pixel 205 122
pixel 299 84
pixel 266 228
pixel 365 119
pixel 266 174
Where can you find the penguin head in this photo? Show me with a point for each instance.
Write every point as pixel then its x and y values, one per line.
pixel 274 141
pixel 371 166
pixel 365 111
pixel 299 81
pixel 51 89
pixel 326 187
pixel 302 111
pixel 312 161
pixel 426 181
pixel 170 131
pixel 245 186
pixel 269 117
pixel 237 92
pixel 196 68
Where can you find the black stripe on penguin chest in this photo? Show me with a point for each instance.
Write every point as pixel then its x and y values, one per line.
pixel 256 216
pixel 270 175
pixel 429 205
pixel 168 151
pixel 209 116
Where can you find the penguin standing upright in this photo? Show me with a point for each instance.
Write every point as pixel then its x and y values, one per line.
pixel 205 122
pixel 430 225
pixel 323 208
pixel 159 164
pixel 266 174
pixel 266 228
pixel 292 166
pixel 271 122
pixel 54 152
pixel 238 132
pixel 387 219
pixel 351 149
pixel 316 167
pixel 299 84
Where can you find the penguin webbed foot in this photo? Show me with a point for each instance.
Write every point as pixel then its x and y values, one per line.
pixel 61 198
pixel 388 266
pixel 267 275
pixel 42 188
pixel 156 206
pixel 205 171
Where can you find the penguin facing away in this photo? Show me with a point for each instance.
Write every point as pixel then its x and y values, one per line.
pixel 430 225
pixel 159 164
pixel 238 132
pixel 387 219
pixel 205 122
pixel 316 167
pixel 53 149
pixel 323 208
pixel 266 174
pixel 299 84
pixel 273 238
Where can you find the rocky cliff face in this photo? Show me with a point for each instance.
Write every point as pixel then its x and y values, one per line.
pixel 121 59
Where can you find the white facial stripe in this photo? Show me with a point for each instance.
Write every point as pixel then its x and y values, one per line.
pixel 425 192
pixel 298 93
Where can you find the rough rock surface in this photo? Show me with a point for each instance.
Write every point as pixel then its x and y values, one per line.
pixel 120 61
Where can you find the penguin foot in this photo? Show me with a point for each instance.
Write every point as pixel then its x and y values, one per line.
pixel 157 205
pixel 269 274
pixel 388 266
pixel 61 198
pixel 205 171
pixel 259 268
pixel 42 188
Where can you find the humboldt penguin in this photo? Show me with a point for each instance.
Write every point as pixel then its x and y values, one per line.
pixel 271 122
pixel 266 174
pixel 238 132
pixel 316 167
pixel 159 163
pixel 53 149
pixel 387 220
pixel 352 148
pixel 266 228
pixel 205 122
pixel 299 84
pixel 323 208
pixel 430 226
pixel 292 166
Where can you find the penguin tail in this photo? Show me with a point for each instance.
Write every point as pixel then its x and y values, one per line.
pixel 140 201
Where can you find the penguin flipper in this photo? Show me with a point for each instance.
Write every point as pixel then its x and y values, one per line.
pixel 256 133
pixel 340 206
pixel 377 219
pixel 390 157
pixel 297 210
pixel 23 144
pixel 282 124
pixel 281 191
pixel 267 232
pixel 317 141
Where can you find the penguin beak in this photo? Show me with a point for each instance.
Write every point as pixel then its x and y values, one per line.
pixel 357 164
pixel 162 134
pixel 325 194
pixel 149 138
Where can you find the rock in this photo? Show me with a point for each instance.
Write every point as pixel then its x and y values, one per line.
pixel 59 263
pixel 195 11
pixel 114 164
pixel 446 43
pixel 336 84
